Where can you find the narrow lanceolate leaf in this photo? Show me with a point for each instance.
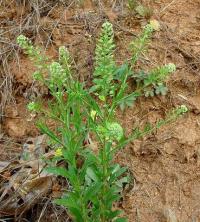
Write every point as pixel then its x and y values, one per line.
pixel 92 174
pixel 114 214
pixel 77 214
pixel 44 129
pixel 92 191
pixel 117 172
pixel 59 171
pixel 72 203
pixel 66 202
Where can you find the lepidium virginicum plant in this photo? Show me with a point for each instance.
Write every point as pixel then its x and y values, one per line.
pixel 84 117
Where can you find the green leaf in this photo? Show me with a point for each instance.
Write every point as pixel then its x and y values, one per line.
pixel 59 171
pixel 94 88
pixel 149 92
pixel 160 123
pixel 90 173
pixel 161 89
pixel 147 128
pixel 141 76
pixel 91 191
pixel 112 195
pixel 73 175
pixel 76 213
pixel 72 203
pixel 117 172
pixel 66 202
pixel 128 100
pixel 120 72
pixel 122 105
pixel 113 214
pixel 122 181
pixel 44 129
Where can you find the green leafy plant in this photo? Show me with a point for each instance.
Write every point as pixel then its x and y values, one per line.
pixel 86 135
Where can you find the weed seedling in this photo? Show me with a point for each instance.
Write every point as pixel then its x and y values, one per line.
pixel 87 135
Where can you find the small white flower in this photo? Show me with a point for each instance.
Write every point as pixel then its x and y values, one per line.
pixel 23 41
pixel 63 53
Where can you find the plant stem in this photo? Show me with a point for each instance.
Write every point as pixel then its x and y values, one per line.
pixel 105 167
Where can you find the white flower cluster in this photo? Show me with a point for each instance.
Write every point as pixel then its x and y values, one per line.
pixel 22 41
pixel 57 75
pixel 171 67
pixel 55 69
pixel 63 52
pixel 107 27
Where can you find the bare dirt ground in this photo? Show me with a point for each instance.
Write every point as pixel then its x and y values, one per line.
pixel 165 165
